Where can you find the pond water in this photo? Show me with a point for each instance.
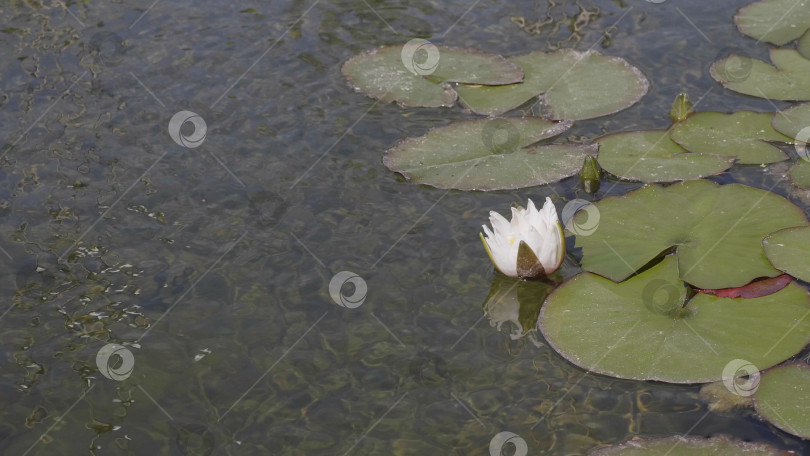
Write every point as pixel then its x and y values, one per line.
pixel 210 262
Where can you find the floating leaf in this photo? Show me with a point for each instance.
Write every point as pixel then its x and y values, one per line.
pixel 651 156
pixel 804 45
pixel 689 446
pixel 783 398
pixel 390 74
pixel 641 328
pixel 794 122
pixel 800 174
pixel 717 232
pixel 743 134
pixel 775 21
pixel 789 250
pixel 755 289
pixel 571 85
pixel 789 79
pixel 488 154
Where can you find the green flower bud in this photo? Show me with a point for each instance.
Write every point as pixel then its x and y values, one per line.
pixel 591 175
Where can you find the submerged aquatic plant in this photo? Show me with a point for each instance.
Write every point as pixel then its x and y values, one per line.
pixel 531 245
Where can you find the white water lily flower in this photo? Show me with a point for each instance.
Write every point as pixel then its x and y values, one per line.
pixel 531 245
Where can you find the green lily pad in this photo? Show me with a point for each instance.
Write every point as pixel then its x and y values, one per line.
pixel 572 85
pixel 716 230
pixel 689 446
pixel 789 250
pixel 775 21
pixel 643 329
pixel 488 154
pixel 794 122
pixel 803 45
pixel 743 134
pixel 789 79
pixel 800 174
pixel 651 156
pixel 783 398
pixel 390 74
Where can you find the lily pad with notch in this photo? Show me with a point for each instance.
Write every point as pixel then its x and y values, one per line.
pixel 744 134
pixel 382 74
pixel 787 79
pixel 652 156
pixel 571 85
pixel 488 154
pixel 645 329
pixel 716 232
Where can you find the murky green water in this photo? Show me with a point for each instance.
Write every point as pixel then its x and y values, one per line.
pixel 212 264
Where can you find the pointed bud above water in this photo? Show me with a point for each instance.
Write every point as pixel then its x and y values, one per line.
pixel 591 175
pixel 681 108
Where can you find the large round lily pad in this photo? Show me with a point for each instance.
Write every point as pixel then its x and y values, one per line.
pixel 742 134
pixel 794 122
pixel 571 85
pixel 642 328
pixel 788 79
pixel 689 446
pixel 775 21
pixel 716 230
pixel 651 156
pixel 783 398
pixel 392 74
pixel 789 250
pixel 488 154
